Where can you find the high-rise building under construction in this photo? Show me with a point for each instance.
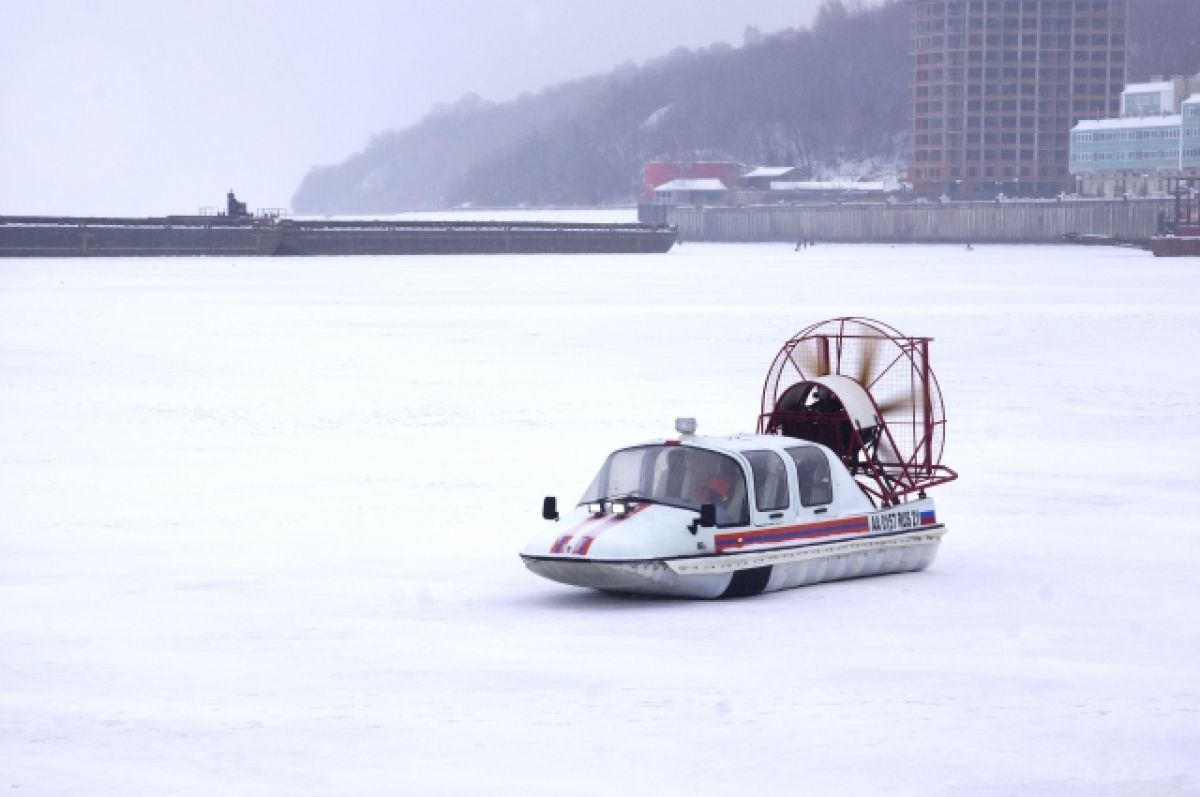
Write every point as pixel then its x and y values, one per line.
pixel 998 85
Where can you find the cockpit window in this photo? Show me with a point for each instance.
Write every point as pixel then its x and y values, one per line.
pixel 770 480
pixel 680 476
pixel 812 470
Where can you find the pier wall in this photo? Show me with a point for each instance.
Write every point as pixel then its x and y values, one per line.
pixel 53 236
pixel 114 238
pixel 953 222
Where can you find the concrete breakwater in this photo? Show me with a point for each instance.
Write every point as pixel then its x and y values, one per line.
pixel 951 222
pixel 242 235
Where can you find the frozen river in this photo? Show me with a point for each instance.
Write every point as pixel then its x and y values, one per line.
pixel 259 523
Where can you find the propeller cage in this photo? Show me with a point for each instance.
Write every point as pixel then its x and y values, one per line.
pixel 867 392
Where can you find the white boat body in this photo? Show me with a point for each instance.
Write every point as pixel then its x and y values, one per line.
pixel 657 549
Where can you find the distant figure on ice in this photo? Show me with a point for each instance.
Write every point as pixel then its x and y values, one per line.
pixel 970 248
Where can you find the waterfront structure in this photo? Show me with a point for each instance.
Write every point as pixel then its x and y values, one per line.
pixel 242 234
pixel 658 173
pixel 1141 153
pixel 998 85
pixel 667 183
pixel 1190 134
pixel 699 191
pixel 1020 221
pixel 761 178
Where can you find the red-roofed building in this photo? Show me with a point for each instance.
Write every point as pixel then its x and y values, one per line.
pixel 660 173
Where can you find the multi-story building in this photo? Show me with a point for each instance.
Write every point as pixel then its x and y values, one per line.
pixel 1000 83
pixel 1157 137
pixel 1190 134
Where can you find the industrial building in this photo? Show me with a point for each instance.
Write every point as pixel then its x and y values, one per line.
pixel 668 184
pixel 998 86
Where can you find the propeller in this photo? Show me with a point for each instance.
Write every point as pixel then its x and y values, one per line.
pixel 866 365
pixel 904 441
pixel 866 376
pixel 897 405
pixel 808 360
pixel 886 453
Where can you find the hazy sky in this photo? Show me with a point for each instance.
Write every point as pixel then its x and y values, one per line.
pixel 122 106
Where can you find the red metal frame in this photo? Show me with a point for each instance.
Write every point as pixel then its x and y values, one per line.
pixel 900 456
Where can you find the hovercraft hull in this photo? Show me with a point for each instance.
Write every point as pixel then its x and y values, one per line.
pixel 748 573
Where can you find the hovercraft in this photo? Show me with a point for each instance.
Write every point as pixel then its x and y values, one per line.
pixel 831 486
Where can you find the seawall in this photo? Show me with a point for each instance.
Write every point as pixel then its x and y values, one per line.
pixel 55 236
pixel 952 222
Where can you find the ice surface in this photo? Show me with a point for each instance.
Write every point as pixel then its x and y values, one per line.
pixel 259 522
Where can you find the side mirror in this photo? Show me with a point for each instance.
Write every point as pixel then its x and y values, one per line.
pixel 707 519
pixel 550 508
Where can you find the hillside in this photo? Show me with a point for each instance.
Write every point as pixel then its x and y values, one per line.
pixel 789 98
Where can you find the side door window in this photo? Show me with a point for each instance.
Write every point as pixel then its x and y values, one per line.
pixel 812 473
pixel 770 480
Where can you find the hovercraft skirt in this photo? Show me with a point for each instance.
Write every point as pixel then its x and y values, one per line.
pixel 743 574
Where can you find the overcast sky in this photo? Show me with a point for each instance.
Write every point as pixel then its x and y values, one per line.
pixel 123 106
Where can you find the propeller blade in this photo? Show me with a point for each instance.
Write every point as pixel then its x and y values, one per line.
pixel 887 455
pixel 866 365
pixel 896 405
pixel 809 359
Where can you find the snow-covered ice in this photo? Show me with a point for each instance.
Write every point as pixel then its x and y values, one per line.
pixel 259 523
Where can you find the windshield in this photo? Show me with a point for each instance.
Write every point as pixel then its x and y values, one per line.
pixel 675 475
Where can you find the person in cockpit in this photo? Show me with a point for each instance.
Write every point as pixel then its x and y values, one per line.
pixel 720 489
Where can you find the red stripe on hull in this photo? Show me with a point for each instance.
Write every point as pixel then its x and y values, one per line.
pixel 585 543
pixel 787 534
